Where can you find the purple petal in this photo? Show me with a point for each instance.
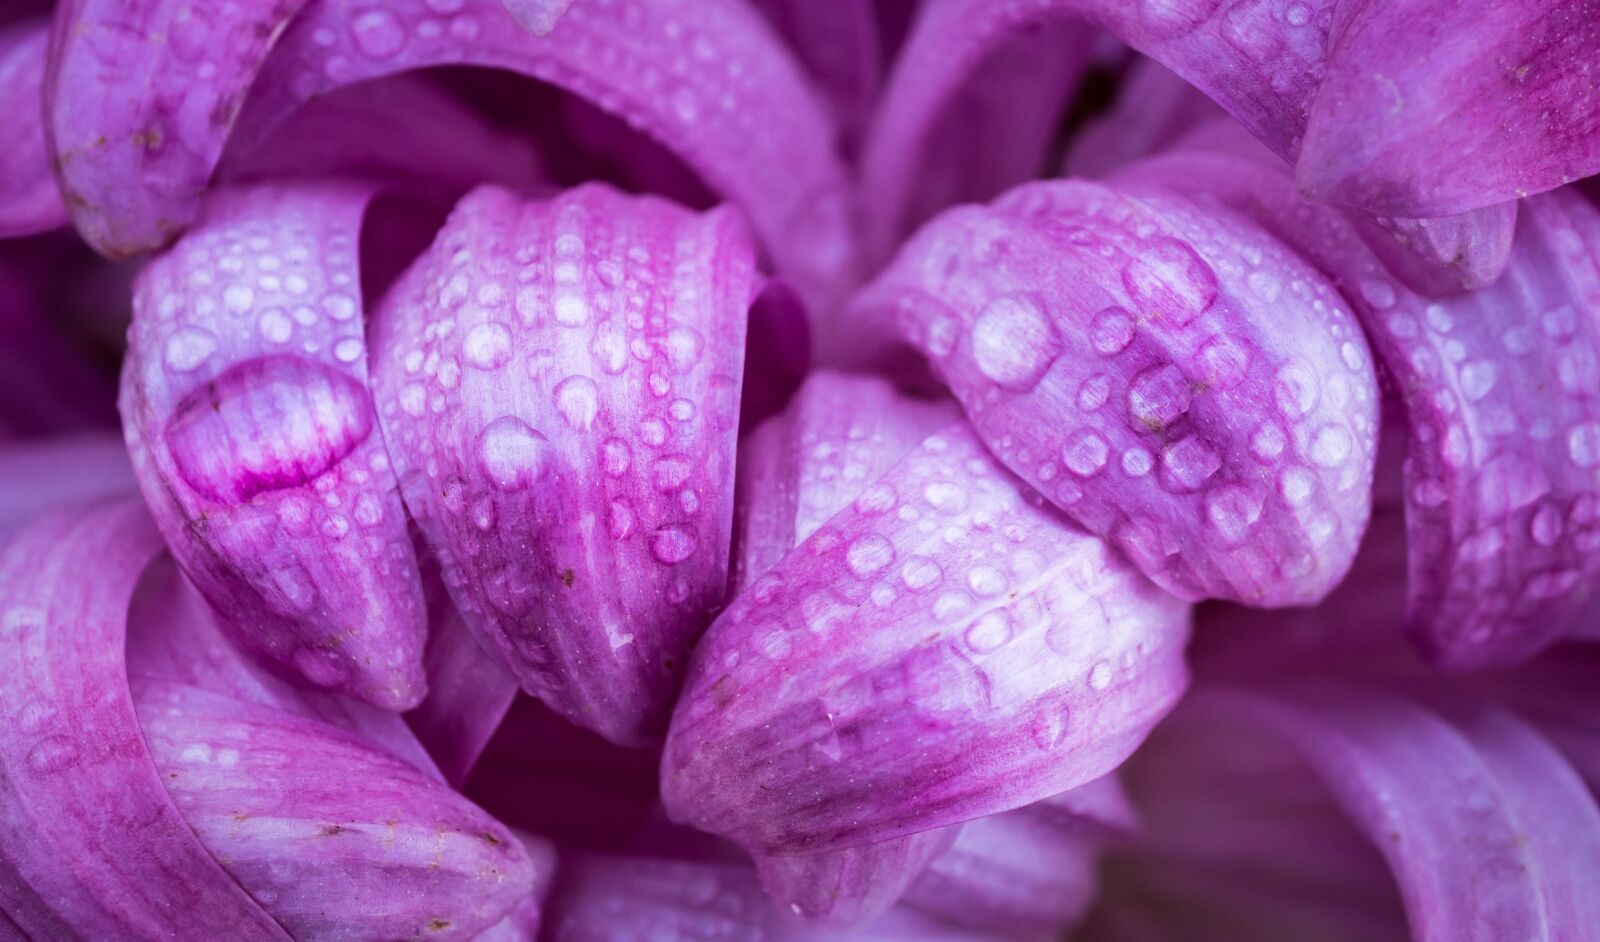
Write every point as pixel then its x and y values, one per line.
pixel 839 45
pixel 854 886
pixel 269 794
pixel 1474 246
pixel 1153 110
pixel 566 443
pixel 635 61
pixel 92 845
pixel 1479 821
pixel 1030 872
pixel 469 693
pixel 1440 107
pixel 140 99
pixel 50 474
pixel 884 678
pixel 29 200
pixel 1499 386
pixel 1168 374
pixel 252 430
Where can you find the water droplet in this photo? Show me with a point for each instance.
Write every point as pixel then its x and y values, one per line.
pixel 578 401
pixel 1111 331
pixel 572 310
pixel 1013 343
pixel 869 554
pixel 238 298
pixel 672 545
pixel 1188 463
pixel 340 307
pixel 377 34
pixel 1296 484
pixel 1157 396
pixel 986 580
pixel 652 431
pixel 989 632
pixel 348 350
pixel 1477 379
pixel 684 345
pixel 1168 280
pixel 1268 441
pixel 1546 525
pixel 1085 452
pixel 1232 511
pixel 946 497
pixel 188 347
pixel 51 755
pixel 413 399
pixel 919 572
pixel 487 346
pixel 1583 444
pixel 1094 392
pixel 1224 361
pixel 1378 293
pixel 671 472
pixel 1331 445
pixel 1297 390
pixel 1100 675
pixel 513 455
pixel 275 326
pixel 1137 461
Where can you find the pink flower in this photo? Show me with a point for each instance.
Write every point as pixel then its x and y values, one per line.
pixel 652 469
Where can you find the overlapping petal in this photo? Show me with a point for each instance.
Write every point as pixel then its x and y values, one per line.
pixel 140 99
pixel 941 649
pixel 54 473
pixel 29 200
pixel 559 388
pixel 256 444
pixel 707 79
pixel 1433 108
pixel 1478 822
pixel 839 45
pixel 1499 389
pixel 1166 372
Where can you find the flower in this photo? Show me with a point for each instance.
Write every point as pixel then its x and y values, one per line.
pixel 624 469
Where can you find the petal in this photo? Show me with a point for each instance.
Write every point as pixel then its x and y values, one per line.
pixel 1167 373
pixel 590 407
pixel 29 200
pixel 1261 60
pixel 635 61
pixel 138 106
pixel 1479 821
pixel 252 431
pixel 1499 386
pixel 1152 111
pixel 1473 246
pixel 838 43
pixel 1027 873
pixel 537 16
pixel 884 678
pixel 469 693
pixel 269 794
pixel 403 126
pixel 854 886
pixel 1507 89
pixel 92 845
pixel 49 474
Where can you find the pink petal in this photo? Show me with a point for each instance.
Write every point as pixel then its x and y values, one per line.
pixel 854 886
pixel 1441 107
pixel 1473 247
pixel 29 200
pixel 1499 385
pixel 253 434
pixel 884 678
pixel 140 99
pixel 566 442
pixel 1153 110
pixel 49 474
pixel 1168 374
pixel 635 60
pixel 92 845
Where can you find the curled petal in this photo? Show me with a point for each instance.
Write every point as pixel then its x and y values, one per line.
pixel 469 693
pixel 1261 61
pixel 252 431
pixel 269 794
pixel 939 650
pixel 1026 873
pixel 564 434
pixel 1508 88
pixel 42 476
pixel 1153 110
pixel 92 845
pixel 1499 385
pixel 29 200
pixel 139 101
pixel 1478 820
pixel 1475 247
pixel 1169 375
pixel 634 60
pixel 853 886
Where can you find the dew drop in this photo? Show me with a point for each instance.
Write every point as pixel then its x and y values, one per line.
pixel 869 554
pixel 377 34
pixel 1085 452
pixel 188 347
pixel 1013 343
pixel 1157 396
pixel 1111 331
pixel 487 346
pixel 578 401
pixel 1167 279
pixel 672 545
pixel 513 455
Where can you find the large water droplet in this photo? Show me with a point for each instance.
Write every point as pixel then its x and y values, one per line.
pixel 188 347
pixel 1167 280
pixel 1085 452
pixel 267 424
pixel 512 453
pixel 487 346
pixel 869 554
pixel 1013 343
pixel 672 544
pixel 1157 396
pixel 1188 463
pixel 578 400
pixel 378 34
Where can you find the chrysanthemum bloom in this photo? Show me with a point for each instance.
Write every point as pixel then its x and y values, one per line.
pixel 706 470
